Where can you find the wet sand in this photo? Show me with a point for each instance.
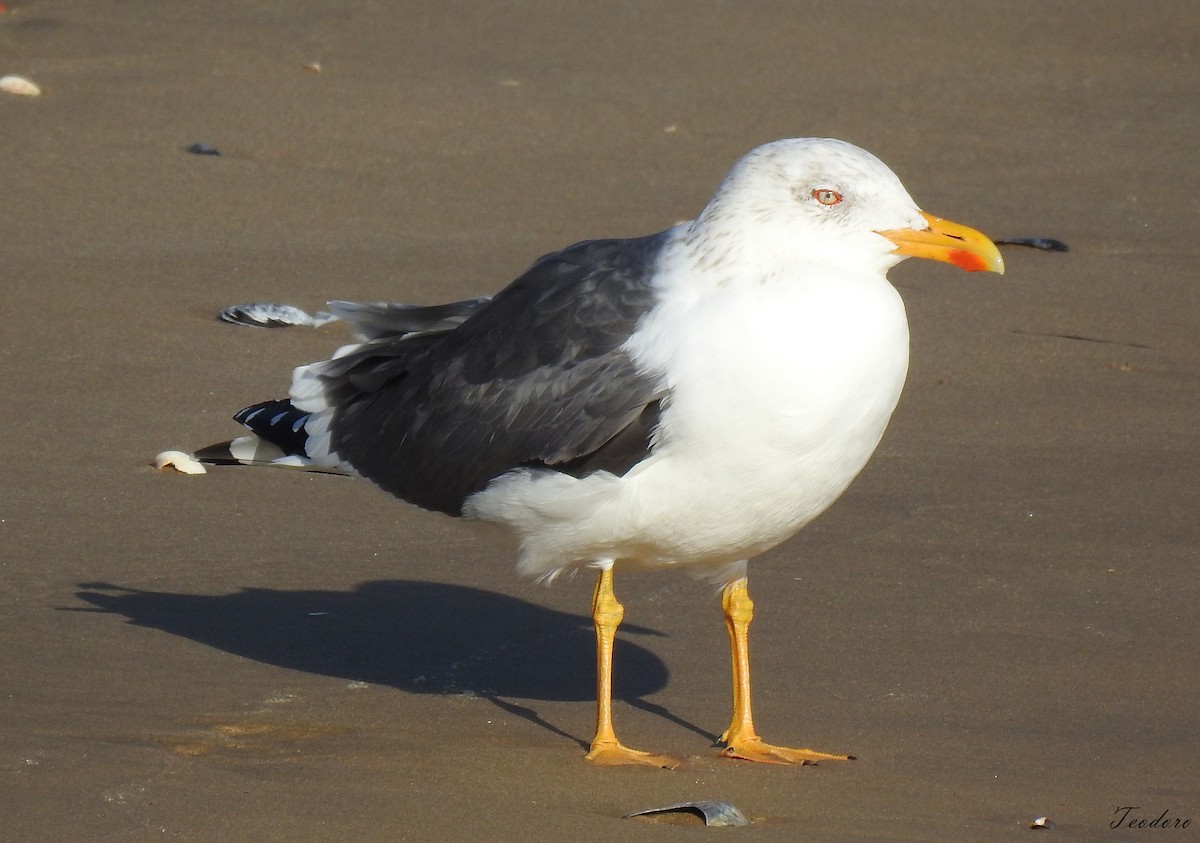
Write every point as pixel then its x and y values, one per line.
pixel 999 618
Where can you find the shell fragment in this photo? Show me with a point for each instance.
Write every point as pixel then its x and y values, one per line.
pixel 712 811
pixel 20 86
pixel 180 461
pixel 263 315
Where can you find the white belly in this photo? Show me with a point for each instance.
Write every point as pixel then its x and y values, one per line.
pixel 777 401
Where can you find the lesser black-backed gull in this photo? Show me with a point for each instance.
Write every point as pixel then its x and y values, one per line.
pixel 691 398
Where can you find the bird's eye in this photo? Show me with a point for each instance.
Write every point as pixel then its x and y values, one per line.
pixel 826 196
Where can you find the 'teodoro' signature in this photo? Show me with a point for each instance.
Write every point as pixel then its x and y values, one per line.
pixel 1127 819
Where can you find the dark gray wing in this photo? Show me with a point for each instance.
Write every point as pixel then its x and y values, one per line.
pixel 535 377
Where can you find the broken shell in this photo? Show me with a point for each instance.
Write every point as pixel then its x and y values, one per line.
pixel 714 812
pixel 1042 822
pixel 312 66
pixel 181 462
pixel 266 315
pixel 19 85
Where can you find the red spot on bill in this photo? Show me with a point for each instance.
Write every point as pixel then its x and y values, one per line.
pixel 968 261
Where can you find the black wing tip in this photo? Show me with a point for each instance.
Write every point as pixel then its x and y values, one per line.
pixel 219 453
pixel 279 422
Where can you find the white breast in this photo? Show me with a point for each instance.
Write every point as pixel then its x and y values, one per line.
pixel 778 399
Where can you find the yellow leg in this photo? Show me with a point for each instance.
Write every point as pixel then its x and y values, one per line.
pixel 740 739
pixel 606 749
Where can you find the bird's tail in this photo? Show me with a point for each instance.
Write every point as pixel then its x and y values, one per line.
pixel 277 438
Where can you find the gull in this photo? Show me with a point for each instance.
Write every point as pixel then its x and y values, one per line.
pixel 688 399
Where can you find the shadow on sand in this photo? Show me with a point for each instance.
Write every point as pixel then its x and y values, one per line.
pixel 420 637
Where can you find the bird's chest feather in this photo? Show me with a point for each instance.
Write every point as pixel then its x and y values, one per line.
pixel 778 398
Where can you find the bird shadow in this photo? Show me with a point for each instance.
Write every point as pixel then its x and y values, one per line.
pixel 419 637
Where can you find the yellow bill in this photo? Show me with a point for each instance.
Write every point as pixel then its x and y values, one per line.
pixel 949 242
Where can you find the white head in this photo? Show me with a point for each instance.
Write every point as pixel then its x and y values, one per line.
pixel 832 203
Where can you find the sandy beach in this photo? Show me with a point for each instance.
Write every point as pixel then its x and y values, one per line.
pixel 999 618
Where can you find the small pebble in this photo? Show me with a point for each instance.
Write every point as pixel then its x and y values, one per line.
pixel 1042 822
pixel 203 149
